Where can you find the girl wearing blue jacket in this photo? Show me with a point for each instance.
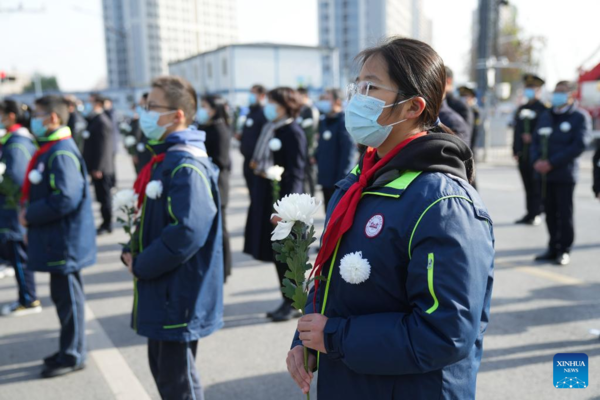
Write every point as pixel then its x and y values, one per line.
pixel 16 149
pixel 408 247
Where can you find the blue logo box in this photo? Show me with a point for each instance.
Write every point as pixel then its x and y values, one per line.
pixel 571 371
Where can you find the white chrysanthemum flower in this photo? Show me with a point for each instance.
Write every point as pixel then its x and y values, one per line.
pixel 297 207
pixel 546 131
pixel 308 122
pixel 282 230
pixel 124 198
pixel 140 148
pixel 274 173
pixel 354 268
pixel 565 126
pixel 85 134
pixel 35 177
pixel 327 135
pixel 130 141
pixel 154 189
pixel 275 144
pixel 2 168
pixel 527 114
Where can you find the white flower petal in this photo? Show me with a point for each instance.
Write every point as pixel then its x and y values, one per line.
pixel 546 131
pixel 275 144
pixel 297 207
pixel 130 141
pixel 307 123
pixel 154 189
pixel 35 177
pixel 2 168
pixel 565 126
pixel 125 198
pixel 282 230
pixel 140 147
pixel 274 173
pixel 354 269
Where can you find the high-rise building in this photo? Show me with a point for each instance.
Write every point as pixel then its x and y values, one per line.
pixel 353 25
pixel 143 36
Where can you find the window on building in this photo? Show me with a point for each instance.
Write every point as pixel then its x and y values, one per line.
pixel 209 70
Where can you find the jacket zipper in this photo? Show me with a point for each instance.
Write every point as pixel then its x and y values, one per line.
pixel 430 265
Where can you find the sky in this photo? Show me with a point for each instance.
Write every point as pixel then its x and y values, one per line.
pixel 67 38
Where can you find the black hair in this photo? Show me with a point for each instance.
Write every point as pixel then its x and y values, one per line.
pixel 219 104
pixel 260 89
pixel 337 94
pixel 55 104
pixel 180 95
pixel 449 73
pixel 302 90
pixel 21 110
pixel 287 98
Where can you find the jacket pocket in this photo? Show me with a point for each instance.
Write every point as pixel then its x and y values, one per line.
pixel 430 285
pixel 178 310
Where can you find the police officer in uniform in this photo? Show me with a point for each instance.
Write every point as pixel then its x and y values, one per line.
pixel 526 119
pixel 559 139
pixel 336 152
pixel 309 121
pixel 255 120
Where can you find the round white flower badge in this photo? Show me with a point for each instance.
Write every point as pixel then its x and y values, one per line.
pixel 85 135
pixel 565 126
pixel 275 144
pixel 35 176
pixel 154 189
pixel 140 147
pixel 374 226
pixel 354 268
pixel 327 135
pixel 249 122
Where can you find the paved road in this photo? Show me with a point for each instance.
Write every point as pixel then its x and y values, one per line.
pixel 537 311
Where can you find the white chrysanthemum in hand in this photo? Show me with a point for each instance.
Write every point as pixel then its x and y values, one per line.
pixel 274 173
pixel 130 141
pixel 307 123
pixel 275 144
pixel 354 268
pixel 2 168
pixel 547 131
pixel 527 114
pixel 291 209
pixel 124 198
pixel 35 176
pixel 154 189
pixel 565 126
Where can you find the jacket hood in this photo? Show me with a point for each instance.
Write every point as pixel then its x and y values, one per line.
pixel 434 152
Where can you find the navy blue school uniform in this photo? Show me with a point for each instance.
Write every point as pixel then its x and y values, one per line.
pixel 521 150
pixel 16 149
pixel 179 272
pixel 596 168
pixel 255 120
pixel 414 329
pixel 62 237
pixel 570 133
pixel 335 154
pixel 455 122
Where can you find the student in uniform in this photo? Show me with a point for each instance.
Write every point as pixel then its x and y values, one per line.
pixel 57 210
pixel 98 154
pixel 456 103
pixel 212 118
pixel 178 274
pixel 406 303
pixel 469 97
pixel 16 148
pixel 559 139
pixel 336 152
pixel 596 168
pixel 526 119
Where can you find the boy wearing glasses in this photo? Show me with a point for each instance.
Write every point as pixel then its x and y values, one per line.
pixel 178 268
pixel 57 211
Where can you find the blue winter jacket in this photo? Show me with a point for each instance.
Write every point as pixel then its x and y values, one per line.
pixel 336 151
pixel 16 150
pixel 414 329
pixel 570 134
pixel 61 232
pixel 179 272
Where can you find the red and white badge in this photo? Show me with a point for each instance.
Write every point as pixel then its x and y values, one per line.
pixel 374 226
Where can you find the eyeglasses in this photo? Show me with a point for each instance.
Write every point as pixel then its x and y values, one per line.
pixel 364 87
pixel 150 107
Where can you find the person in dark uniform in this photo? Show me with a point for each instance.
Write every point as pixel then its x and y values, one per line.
pixel 212 119
pixel 559 139
pixel 255 120
pixel 596 167
pixel 98 153
pixel 283 143
pixel 469 96
pixel 456 103
pixel 142 155
pixel 455 122
pixel 526 119
pixel 77 122
pixel 336 151
pixel 16 149
pixel 309 121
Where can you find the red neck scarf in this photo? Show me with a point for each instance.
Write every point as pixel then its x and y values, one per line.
pixel 342 217
pixel 9 131
pixel 32 164
pixel 143 178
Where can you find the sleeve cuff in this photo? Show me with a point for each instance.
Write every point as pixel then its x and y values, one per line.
pixel 332 337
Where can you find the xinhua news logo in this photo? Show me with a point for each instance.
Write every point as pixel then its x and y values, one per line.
pixel 571 371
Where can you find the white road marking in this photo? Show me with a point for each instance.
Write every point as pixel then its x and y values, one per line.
pixel 115 370
pixel 553 276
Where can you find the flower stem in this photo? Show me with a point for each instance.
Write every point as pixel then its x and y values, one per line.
pixel 306 369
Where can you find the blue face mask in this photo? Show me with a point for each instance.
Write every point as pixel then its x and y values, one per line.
pixel 202 116
pixel 87 109
pixel 252 100
pixel 149 124
pixel 361 120
pixel 2 125
pixel 529 93
pixel 37 127
pixel 559 99
pixel 324 106
pixel 270 112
